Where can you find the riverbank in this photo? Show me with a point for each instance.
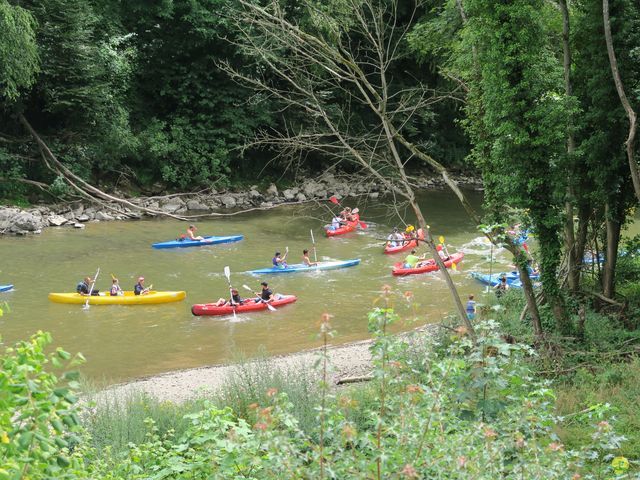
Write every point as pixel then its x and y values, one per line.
pixel 199 205
pixel 348 361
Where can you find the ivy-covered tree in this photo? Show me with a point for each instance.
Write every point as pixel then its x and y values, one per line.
pixel 517 122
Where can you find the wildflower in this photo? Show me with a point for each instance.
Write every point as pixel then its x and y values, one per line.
pixel 260 426
pixel 409 472
pixel 325 326
pixel 556 447
pixel 347 402
pixel 253 406
pixel 395 364
pixel 461 330
pixel 266 412
pixel 271 392
pixel 4 438
pixel 576 476
pixel 414 389
pixel 489 433
pixel 604 425
pixel 462 461
pixel 520 442
pixel 348 431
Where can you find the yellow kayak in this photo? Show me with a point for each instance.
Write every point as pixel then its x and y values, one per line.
pixel 127 299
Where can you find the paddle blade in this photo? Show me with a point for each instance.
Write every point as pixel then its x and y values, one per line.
pixel 333 200
pixel 441 239
pixel 454 266
pixel 270 307
pixel 227 273
pixel 363 225
pixel 247 287
pixel 313 240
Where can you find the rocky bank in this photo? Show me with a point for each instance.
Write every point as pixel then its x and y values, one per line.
pixel 76 214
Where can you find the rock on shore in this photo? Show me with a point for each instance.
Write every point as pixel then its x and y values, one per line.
pixel 19 221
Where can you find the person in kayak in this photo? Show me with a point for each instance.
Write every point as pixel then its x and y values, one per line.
pixel 265 295
pixel 395 238
pixel 279 261
pixel 84 287
pixel 234 300
pixel 306 260
pixel 412 259
pixel 191 233
pixel 115 288
pixel 336 223
pixel 139 288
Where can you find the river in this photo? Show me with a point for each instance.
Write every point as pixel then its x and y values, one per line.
pixel 121 343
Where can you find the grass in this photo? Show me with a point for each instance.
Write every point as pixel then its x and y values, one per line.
pixel 115 421
pixel 617 384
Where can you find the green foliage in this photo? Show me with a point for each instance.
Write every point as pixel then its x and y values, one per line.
pixel 39 423
pixel 458 409
pixel 17 71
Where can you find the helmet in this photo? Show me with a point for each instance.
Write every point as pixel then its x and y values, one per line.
pixel 410 228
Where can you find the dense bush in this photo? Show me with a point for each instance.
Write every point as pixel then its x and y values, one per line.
pixel 465 408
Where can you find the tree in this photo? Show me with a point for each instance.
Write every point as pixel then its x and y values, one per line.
pixel 332 68
pixel 17 34
pixel 517 121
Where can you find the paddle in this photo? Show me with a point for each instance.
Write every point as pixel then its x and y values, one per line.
pixel 227 273
pixel 269 306
pixel 93 283
pixel 313 241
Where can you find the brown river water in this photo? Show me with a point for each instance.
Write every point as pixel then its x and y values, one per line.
pixel 125 342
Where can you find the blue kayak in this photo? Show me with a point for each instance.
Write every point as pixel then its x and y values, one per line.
pixel 513 279
pixel 5 288
pixel 210 240
pixel 301 267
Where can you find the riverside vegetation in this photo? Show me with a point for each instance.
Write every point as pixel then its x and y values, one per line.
pixel 448 406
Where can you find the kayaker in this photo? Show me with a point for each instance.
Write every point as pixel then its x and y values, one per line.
pixel 336 223
pixel 84 287
pixel 441 253
pixel 139 288
pixel 279 261
pixel 234 300
pixel 471 308
pixel 265 295
pixel 395 238
pixel 501 287
pixel 191 233
pixel 115 288
pixel 412 259
pixel 306 260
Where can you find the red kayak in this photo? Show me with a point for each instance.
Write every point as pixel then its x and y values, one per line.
pixel 427 265
pixel 405 246
pixel 248 306
pixel 349 227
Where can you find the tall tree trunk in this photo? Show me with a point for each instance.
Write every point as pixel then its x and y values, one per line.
pixel 630 143
pixel 613 239
pixel 529 293
pixel 583 232
pixel 569 229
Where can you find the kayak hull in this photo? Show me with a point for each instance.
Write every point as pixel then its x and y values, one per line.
pixel 301 267
pixel 430 266
pixel 349 227
pixel 406 246
pixel 5 288
pixel 513 278
pixel 201 309
pixel 151 298
pixel 209 240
